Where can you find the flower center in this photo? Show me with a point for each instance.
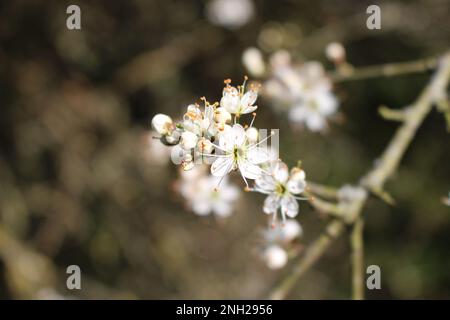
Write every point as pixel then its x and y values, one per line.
pixel 280 189
pixel 238 153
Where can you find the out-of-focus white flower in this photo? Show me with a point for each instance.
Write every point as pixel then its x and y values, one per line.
pixel 252 134
pixel 154 150
pixel 275 257
pixel 231 14
pixel 335 51
pixel 239 154
pixel 204 198
pixel 253 60
pixel 237 101
pixel 162 124
pixel 200 123
pixel 303 90
pixel 314 109
pixel 283 233
pixel 281 188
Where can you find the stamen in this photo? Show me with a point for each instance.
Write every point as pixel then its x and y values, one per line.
pixel 253 119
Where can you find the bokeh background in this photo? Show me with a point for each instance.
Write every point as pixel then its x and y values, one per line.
pixel 80 183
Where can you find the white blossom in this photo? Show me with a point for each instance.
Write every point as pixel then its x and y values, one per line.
pixel 238 154
pixel 238 102
pixel 303 90
pixel 335 51
pixel 162 124
pixel 202 196
pixel 283 233
pixel 282 189
pixel 253 60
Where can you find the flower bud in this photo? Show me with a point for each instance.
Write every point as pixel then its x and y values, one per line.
pixel 296 183
pixel 291 230
pixel 252 134
pixel 162 124
pixel 188 140
pixel 253 61
pixel 172 138
pixel 275 257
pixel 335 52
pixel 222 116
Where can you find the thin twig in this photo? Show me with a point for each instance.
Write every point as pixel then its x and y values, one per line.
pixel 357 246
pixel 376 177
pixel 384 70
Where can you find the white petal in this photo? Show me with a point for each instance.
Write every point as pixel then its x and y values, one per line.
pixel 188 140
pixel 249 109
pixel 271 204
pixel 291 230
pixel 315 122
pixel 202 208
pixel 221 166
pixel 230 100
pixel 249 98
pixel 238 134
pixel 265 182
pixel 249 170
pixel 222 209
pixel 298 113
pixel 257 155
pixel 296 183
pixel 280 171
pixel 289 206
pixel 327 103
pixel 228 192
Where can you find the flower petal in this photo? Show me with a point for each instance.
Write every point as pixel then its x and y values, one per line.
pixel 230 100
pixel 249 170
pixel 265 182
pixel 221 166
pixel 280 171
pixel 248 109
pixel 257 155
pixel 289 206
pixel 296 183
pixel 271 204
pixel 222 208
pixel 249 99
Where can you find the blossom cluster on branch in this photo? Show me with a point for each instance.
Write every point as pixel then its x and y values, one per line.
pixel 216 134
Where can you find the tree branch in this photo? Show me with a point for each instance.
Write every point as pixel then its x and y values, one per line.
pixel 375 178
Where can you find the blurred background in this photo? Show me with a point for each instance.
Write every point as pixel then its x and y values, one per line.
pixel 82 182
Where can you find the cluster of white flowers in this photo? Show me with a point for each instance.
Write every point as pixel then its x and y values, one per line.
pixel 216 135
pixel 304 90
pixel 277 241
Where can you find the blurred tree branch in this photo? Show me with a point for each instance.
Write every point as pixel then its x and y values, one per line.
pixel 373 181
